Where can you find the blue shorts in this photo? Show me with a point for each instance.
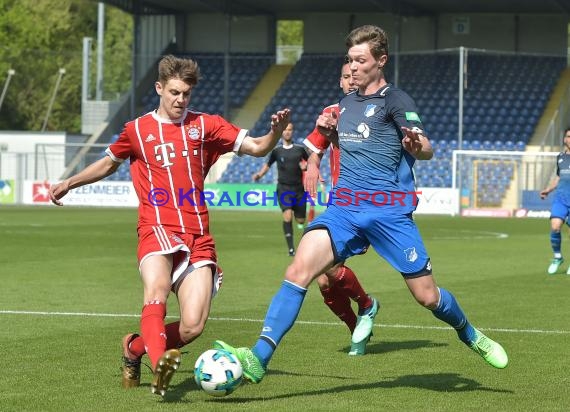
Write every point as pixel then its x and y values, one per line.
pixel 560 208
pixel 394 237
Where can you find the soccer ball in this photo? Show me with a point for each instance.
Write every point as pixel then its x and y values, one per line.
pixel 218 372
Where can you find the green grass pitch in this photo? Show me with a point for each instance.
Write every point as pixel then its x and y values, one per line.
pixel 69 290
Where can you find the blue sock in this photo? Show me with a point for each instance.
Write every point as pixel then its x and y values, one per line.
pixel 280 317
pixel 556 242
pixel 448 310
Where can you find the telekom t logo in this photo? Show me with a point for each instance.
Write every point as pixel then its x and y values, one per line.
pixel 163 153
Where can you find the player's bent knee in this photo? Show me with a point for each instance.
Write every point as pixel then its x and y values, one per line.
pixel 427 300
pixel 298 275
pixel 188 333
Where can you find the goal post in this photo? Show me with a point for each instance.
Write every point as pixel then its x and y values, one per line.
pixel 501 181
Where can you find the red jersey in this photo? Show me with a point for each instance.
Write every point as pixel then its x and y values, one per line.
pixel 169 162
pixel 318 143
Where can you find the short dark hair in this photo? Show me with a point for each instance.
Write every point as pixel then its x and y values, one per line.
pixel 376 38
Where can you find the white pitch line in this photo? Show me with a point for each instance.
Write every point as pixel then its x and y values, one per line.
pixel 303 322
pixel 471 234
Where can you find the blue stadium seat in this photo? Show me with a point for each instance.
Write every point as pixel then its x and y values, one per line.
pixel 499 145
pixel 495 115
pixel 487 145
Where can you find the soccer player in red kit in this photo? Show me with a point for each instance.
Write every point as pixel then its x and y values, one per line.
pixel 339 284
pixel 171 150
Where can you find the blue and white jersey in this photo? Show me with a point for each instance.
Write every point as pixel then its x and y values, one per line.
pixel 563 171
pixel 373 161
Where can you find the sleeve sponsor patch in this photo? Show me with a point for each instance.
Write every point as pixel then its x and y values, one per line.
pixel 412 117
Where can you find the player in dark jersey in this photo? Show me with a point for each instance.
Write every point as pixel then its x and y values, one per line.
pixel 560 210
pixel 291 161
pixel 380 136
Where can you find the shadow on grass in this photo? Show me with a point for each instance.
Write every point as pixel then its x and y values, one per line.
pixel 176 392
pixel 385 347
pixel 441 382
pixel 438 382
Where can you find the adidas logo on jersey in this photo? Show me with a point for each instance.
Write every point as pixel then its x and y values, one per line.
pixel 150 138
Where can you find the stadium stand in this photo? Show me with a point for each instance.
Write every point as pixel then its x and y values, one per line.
pixel 246 69
pixel 500 111
pixel 501 108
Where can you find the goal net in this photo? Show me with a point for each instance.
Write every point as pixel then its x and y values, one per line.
pixel 501 180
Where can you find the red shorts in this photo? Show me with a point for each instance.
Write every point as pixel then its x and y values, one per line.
pixel 190 251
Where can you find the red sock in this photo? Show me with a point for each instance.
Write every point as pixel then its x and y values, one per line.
pixel 347 281
pixel 153 330
pixel 136 347
pixel 173 338
pixel 339 304
pixel 311 214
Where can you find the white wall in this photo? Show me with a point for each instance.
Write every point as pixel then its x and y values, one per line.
pixel 18 155
pixel 25 142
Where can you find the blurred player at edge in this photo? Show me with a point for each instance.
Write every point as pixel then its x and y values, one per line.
pixel 339 284
pixel 171 150
pixel 560 210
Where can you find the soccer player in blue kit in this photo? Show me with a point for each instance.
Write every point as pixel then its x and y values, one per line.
pixel 380 136
pixel 560 209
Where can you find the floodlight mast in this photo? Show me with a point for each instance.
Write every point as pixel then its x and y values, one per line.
pixel 61 72
pixel 11 72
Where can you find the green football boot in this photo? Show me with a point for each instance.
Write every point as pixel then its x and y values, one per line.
pixel 253 371
pixel 554 265
pixel 364 323
pixel 489 350
pixel 359 348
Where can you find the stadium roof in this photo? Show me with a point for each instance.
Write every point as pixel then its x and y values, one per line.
pixel 284 7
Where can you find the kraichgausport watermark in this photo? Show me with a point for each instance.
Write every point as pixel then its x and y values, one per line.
pixel 337 196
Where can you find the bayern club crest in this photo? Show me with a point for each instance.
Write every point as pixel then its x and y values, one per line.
pixel 194 132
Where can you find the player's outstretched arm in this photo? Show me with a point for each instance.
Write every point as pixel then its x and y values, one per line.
pixel 92 173
pixel 415 143
pixel 260 146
